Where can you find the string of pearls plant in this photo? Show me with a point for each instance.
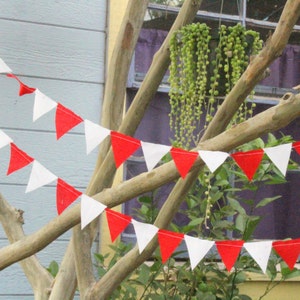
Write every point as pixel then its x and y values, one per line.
pixel 200 77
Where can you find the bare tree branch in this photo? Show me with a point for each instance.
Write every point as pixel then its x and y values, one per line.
pixel 38 277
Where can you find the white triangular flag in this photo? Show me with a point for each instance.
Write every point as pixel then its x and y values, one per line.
pixel 94 135
pixel 280 156
pixel 197 249
pixel 4 139
pixel 39 176
pixel 90 210
pixel 153 153
pixel 42 105
pixel 213 159
pixel 4 68
pixel 144 233
pixel 260 252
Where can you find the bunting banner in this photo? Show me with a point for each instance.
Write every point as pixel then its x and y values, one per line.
pixel 260 252
pixel 24 89
pixel 42 105
pixel 94 135
pixel 18 159
pixel 123 147
pixel 153 153
pixel 197 249
pixel 229 252
pixel 144 233
pixel 39 177
pixel 280 156
pixel 183 159
pixel 65 120
pixel 4 68
pixel 65 195
pixel 168 242
pixel 248 161
pixel 117 223
pixel 90 210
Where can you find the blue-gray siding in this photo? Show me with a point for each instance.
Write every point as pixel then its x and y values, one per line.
pixel 59 48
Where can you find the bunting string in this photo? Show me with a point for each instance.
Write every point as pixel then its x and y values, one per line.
pixel 123 147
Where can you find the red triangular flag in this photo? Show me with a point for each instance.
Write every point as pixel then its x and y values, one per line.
pixel 18 159
pixel 296 146
pixel 229 251
pixel 24 89
pixel 117 222
pixel 65 195
pixel 288 250
pixel 65 120
pixel 249 161
pixel 183 159
pixel 123 146
pixel 168 242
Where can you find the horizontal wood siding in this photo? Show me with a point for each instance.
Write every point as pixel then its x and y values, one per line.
pixel 59 48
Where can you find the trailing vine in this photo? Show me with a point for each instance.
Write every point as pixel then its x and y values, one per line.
pixel 189 49
pixel 199 77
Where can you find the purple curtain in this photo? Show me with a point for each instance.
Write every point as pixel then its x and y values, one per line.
pixel 285 70
pixel 148 43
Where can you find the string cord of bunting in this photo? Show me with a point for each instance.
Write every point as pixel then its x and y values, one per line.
pixel 124 146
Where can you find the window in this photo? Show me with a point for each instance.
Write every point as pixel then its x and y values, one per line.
pixel 285 73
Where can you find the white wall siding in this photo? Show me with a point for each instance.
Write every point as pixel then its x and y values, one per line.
pixel 59 48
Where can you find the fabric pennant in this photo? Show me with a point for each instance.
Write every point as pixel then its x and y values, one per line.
pixel 197 249
pixel 24 89
pixel 4 139
pixel 229 252
pixel 117 223
pixel 296 146
pixel 18 159
pixel 90 210
pixel 183 159
pixel 94 135
pixel 39 176
pixel 65 195
pixel 288 250
pixel 213 159
pixel 4 68
pixel 65 120
pixel 123 146
pixel 168 242
pixel 42 105
pixel 260 252
pixel 249 161
pixel 153 153
pixel 280 156
pixel 144 233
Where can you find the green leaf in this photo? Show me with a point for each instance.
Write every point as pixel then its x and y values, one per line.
pixel 240 222
pixel 240 278
pixel 53 268
pixel 251 225
pixel 144 274
pixel 266 201
pixel 196 222
pixel 236 206
pixel 145 199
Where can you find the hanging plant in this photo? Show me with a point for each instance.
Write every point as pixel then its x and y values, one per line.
pixel 200 77
pixel 189 50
